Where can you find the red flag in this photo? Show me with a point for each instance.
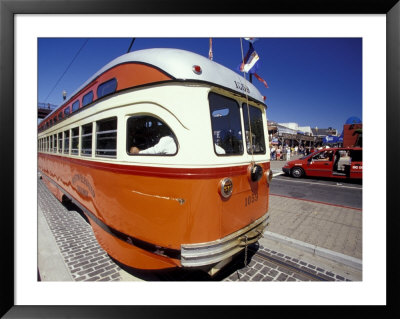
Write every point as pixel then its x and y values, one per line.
pixel 261 80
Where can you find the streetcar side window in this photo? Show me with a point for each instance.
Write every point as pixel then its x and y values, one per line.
pixel 60 115
pixel 257 129
pixel 226 126
pixel 87 131
pixel 147 135
pixel 75 140
pixel 106 137
pixel 55 143
pixel 75 106
pixel 50 144
pixel 66 142
pixel 87 98
pixel 60 139
pixel 66 111
pixel 107 87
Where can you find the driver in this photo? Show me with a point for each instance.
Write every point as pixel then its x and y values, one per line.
pixel 166 144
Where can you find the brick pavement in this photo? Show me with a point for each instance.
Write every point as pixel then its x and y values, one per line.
pixel 261 269
pixel 84 258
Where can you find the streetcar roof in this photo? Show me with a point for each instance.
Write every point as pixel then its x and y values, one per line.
pixel 179 64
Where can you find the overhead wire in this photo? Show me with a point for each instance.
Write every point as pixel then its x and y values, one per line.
pixel 133 40
pixel 62 75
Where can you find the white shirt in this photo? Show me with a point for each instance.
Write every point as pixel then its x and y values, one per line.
pixel 219 149
pixel 166 145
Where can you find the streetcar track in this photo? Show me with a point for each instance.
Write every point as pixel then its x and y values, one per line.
pixel 287 265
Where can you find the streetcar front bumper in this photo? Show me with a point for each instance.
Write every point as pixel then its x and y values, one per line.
pixel 210 253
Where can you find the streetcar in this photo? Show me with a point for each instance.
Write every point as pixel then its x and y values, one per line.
pixel 166 153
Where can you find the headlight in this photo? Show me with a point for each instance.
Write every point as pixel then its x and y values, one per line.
pixel 225 187
pixel 269 175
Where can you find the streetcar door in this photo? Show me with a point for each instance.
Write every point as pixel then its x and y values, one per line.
pixel 320 164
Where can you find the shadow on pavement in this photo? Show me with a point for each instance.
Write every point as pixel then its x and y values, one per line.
pixel 178 274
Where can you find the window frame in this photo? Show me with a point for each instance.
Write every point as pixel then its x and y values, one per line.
pixel 104 84
pixel 74 151
pixel 241 153
pixel 67 111
pixel 245 114
pixel 91 94
pixel 55 143
pixel 66 148
pixel 157 119
pixel 114 131
pixel 82 136
pixel 60 142
pixel 75 106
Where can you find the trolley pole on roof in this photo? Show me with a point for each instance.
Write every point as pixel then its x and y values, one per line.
pixel 133 40
pixel 250 74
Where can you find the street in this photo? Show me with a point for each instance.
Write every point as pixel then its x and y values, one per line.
pixel 337 192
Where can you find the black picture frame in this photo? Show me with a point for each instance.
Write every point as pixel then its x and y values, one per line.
pixel 8 10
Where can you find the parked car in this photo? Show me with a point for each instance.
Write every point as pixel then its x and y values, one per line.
pixel 329 162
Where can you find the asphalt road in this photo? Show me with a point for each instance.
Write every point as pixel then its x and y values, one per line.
pixel 336 192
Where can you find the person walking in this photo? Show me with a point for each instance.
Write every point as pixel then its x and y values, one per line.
pixel 288 153
pixel 272 152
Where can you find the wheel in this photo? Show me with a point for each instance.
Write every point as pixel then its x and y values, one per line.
pixel 297 172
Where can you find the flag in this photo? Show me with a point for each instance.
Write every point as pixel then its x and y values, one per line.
pixel 250 62
pixel 251 40
pixel 261 80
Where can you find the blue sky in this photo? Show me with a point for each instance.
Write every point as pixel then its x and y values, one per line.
pixel 314 82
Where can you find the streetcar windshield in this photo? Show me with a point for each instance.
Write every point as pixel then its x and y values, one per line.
pixel 255 126
pixel 225 121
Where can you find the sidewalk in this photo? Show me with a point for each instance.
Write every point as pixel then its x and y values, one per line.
pixel 326 230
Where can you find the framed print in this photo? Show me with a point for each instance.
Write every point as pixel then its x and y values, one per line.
pixel 23 22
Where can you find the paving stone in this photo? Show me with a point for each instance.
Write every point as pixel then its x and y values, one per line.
pixel 74 236
pixel 282 277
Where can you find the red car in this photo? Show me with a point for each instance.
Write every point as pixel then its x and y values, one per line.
pixel 328 162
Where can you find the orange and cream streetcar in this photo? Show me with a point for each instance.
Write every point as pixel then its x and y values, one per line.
pixel 155 149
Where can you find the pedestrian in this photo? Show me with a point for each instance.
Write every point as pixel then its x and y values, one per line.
pixel 272 150
pixel 296 149
pixel 278 154
pixel 288 153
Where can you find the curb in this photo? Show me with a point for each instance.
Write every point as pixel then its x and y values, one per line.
pixel 318 251
pixel 276 173
pixel 51 264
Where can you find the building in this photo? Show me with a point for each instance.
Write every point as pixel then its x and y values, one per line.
pixel 322 132
pixel 44 109
pixel 352 132
pixel 290 134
